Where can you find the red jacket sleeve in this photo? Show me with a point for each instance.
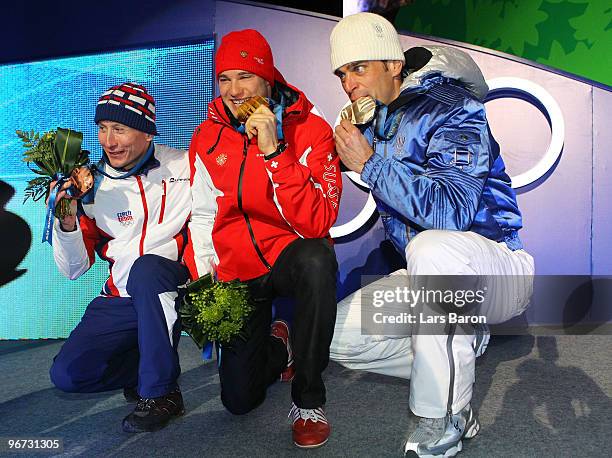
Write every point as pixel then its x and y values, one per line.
pixel 307 181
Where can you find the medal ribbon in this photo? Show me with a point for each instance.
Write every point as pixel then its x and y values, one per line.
pixel 48 229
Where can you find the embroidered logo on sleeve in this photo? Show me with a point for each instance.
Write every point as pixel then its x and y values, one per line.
pixel 329 176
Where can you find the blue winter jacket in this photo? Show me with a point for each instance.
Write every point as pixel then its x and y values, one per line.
pixel 436 164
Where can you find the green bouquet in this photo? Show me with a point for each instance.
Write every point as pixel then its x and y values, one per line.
pixel 56 155
pixel 215 311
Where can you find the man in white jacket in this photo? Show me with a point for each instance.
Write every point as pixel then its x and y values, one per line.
pixel 137 221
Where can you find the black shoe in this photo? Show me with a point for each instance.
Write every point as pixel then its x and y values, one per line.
pixel 154 413
pixel 131 394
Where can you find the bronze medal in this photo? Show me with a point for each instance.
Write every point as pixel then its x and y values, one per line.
pixel 82 180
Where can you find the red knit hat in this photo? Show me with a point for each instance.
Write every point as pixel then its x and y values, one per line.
pixel 245 50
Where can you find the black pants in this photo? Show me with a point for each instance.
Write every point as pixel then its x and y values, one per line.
pixel 306 271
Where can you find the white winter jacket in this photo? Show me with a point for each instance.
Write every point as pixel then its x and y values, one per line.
pixel 144 214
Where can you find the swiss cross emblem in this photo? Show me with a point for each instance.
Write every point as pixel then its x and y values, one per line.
pixel 243 54
pixel 329 157
pixel 274 164
pixel 222 159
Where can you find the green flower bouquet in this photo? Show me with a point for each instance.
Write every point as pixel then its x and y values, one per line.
pixel 56 156
pixel 53 157
pixel 215 311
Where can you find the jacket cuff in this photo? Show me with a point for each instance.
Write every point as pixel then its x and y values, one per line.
pixel 59 233
pixel 371 170
pixel 283 160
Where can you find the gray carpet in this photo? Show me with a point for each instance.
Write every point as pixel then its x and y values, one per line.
pixel 536 396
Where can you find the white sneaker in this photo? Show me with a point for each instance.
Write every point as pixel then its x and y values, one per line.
pixel 441 437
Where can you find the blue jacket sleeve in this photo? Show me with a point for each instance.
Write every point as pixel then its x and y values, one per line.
pixel 457 158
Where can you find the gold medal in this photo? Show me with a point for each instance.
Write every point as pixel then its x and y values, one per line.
pixel 249 106
pixel 361 111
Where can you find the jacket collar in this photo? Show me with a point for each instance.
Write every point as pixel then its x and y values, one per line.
pixel 150 163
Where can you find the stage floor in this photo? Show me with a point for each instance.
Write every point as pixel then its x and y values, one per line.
pixel 536 396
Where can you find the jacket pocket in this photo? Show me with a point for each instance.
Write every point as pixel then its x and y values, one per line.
pixel 461 148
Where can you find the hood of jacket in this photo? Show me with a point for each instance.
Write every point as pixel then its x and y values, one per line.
pixel 449 63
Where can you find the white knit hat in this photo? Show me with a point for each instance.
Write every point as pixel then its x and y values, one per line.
pixel 364 36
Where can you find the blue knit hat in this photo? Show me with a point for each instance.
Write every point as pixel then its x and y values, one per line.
pixel 129 104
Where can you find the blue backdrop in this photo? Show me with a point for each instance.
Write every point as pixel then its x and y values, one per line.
pixel 63 92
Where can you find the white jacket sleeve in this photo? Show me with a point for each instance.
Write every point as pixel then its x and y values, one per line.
pixel 69 251
pixel 200 256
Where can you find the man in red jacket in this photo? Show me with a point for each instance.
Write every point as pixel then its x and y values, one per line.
pixel 275 184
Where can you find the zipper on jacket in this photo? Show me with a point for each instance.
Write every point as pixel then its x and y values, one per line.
pixel 163 202
pixel 212 148
pixel 246 217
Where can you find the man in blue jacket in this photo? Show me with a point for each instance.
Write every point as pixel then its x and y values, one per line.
pixel 446 202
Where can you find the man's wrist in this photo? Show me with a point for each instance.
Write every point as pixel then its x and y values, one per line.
pixel 363 165
pixel 282 146
pixel 70 228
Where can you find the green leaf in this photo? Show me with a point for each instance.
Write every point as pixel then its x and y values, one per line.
pixel 37 188
pixel 68 148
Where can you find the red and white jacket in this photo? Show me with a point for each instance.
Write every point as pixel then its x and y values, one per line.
pixel 144 214
pixel 246 210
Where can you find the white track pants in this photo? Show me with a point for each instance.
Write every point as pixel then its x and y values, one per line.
pixel 424 359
